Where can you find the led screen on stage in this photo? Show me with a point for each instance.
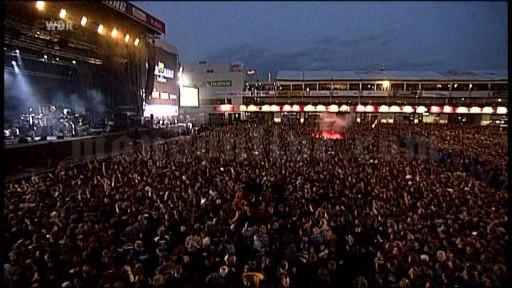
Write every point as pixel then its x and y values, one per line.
pixel 189 97
pixel 160 110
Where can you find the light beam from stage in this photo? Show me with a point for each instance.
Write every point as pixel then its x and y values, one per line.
pixel 19 89
pixel 15 66
pixel 19 61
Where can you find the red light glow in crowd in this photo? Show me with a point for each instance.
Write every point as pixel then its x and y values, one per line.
pixel 331 125
pixel 328 135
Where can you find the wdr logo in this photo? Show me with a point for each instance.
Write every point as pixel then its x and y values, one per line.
pixel 59 25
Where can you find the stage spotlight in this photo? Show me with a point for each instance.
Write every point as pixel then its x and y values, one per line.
pixel 127 38
pixel 62 13
pixel 114 33
pixel 45 57
pixel 136 42
pixel 57 59
pixel 83 22
pixel 100 29
pixel 74 62
pixel 17 51
pixel 40 5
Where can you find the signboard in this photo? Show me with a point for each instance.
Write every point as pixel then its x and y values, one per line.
pixel 137 14
pixel 375 93
pixel 162 72
pixel 319 93
pixel 232 94
pixel 435 94
pixel 290 93
pixel 345 93
pixel 165 74
pixel 220 83
pixel 479 94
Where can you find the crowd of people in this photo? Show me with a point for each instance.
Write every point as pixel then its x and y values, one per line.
pixel 268 205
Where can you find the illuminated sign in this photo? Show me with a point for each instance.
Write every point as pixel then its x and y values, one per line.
pixel 333 108
pixel 161 72
pixel 139 14
pixel 448 109
pixel 502 110
pixel 118 5
pixel 344 108
pixel 383 108
pixel 421 109
pixel 370 108
pixel 309 108
pixel 225 108
pixel 487 110
pixel 320 108
pixel 435 109
pixel 219 83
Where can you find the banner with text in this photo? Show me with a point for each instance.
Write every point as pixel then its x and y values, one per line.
pixel 220 83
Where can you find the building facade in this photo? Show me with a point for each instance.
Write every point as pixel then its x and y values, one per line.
pixel 220 89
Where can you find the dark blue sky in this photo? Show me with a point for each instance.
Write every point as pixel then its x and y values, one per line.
pixel 272 36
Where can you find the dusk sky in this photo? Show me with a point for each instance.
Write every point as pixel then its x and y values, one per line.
pixel 273 36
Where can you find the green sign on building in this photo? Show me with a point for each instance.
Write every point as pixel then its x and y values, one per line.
pixel 219 83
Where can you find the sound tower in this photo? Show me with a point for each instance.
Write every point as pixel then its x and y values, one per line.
pixel 150 79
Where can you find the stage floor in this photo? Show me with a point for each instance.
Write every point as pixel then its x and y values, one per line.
pixel 39 156
pixel 12 143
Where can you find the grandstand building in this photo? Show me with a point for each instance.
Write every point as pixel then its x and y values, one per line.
pixel 472 97
pixel 477 97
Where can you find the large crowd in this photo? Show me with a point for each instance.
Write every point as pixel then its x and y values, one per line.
pixel 268 205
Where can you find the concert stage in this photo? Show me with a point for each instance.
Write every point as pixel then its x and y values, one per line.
pixel 25 158
pixel 71 66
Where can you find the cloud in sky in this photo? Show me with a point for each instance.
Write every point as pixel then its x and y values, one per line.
pixel 272 36
pixel 364 52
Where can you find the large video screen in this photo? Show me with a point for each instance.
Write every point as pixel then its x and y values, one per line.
pixel 166 80
pixel 189 97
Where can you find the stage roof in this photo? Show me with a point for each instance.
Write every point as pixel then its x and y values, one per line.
pixel 131 10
